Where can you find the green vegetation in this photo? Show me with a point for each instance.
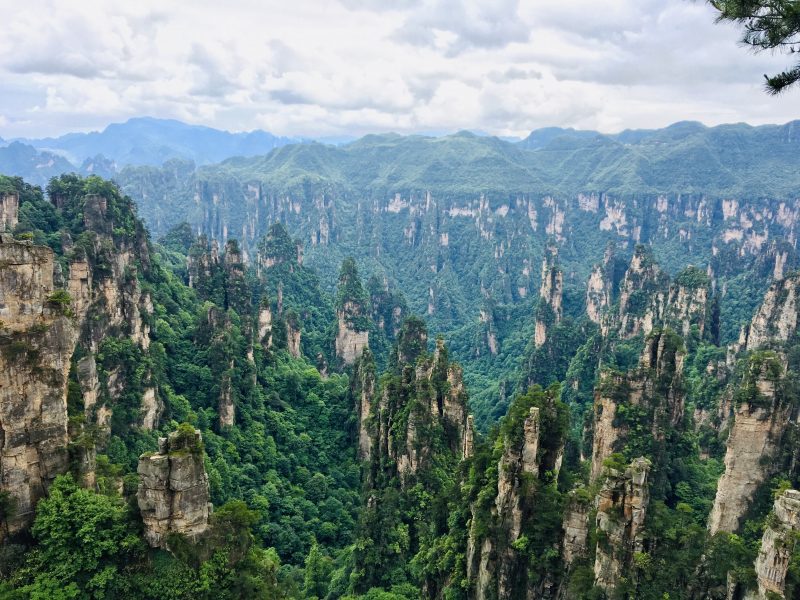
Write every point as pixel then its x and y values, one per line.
pixel 299 513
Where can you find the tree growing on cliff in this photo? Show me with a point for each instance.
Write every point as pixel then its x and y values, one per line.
pixel 768 25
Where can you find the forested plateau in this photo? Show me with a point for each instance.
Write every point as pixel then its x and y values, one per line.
pixel 406 368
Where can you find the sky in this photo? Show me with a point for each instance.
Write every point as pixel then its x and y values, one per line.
pixel 350 67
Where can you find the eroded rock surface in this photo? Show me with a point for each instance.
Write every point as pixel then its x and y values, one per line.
pixel 173 493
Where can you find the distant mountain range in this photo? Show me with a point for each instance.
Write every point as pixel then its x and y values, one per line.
pixel 149 141
pixel 685 155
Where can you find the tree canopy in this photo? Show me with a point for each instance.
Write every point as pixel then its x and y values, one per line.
pixel 768 25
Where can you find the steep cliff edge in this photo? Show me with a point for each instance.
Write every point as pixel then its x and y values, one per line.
pixel 413 431
pixel 173 494
pixel 621 512
pixel 37 339
pixel 549 311
pixel 352 314
pixel 777 544
pixel 761 414
pixel 504 525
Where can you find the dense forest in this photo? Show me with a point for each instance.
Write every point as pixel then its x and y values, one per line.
pixel 199 415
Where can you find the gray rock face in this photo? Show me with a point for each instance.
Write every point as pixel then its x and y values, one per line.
pixel 350 342
pixel 643 279
pixel 9 211
pixel 777 317
pixel 173 489
pixel 37 340
pixel 777 544
pixel 550 293
pixel 621 511
pixel 752 444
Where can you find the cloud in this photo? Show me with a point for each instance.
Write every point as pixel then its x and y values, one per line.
pixel 455 26
pixel 358 66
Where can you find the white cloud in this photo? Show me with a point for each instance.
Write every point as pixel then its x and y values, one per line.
pixel 358 66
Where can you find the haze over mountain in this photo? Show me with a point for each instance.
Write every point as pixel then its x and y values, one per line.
pixel 151 141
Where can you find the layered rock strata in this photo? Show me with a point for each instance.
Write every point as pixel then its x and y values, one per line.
pixel 173 494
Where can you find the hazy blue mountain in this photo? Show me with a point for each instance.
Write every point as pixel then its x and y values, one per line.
pixel 35 166
pixel 150 141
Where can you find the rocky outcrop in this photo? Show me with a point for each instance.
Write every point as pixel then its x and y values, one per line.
pixel 687 302
pixel 37 340
pixel 760 418
pixel 173 493
pixel 226 408
pixel 776 319
pixel 642 295
pixel 9 211
pixel 576 529
pixel 549 311
pixel 656 386
pixel 527 461
pixel 293 334
pixel 350 340
pixel 152 407
pixel 777 544
pixel 517 458
pixel 421 412
pixel 264 335
pixel 621 511
pixel 605 433
pixel 363 392
pixel 441 399
pixel 599 288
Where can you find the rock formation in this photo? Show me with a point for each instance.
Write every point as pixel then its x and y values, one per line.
pixel 549 311
pixel 37 339
pixel 264 335
pixel 776 319
pixel 173 493
pixel 363 391
pixel 599 288
pixel 777 544
pixel 760 418
pixel 621 511
pixel 687 301
pixel 350 341
pixel 527 460
pixel 576 529
pixel 656 385
pixel 642 294
pixel 352 313
pixel 9 211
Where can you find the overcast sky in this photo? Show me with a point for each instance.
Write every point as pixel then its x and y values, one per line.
pixel 322 67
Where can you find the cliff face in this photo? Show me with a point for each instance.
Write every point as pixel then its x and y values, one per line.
pixel 655 386
pixel 173 493
pixel 760 418
pixel 643 294
pixel 37 339
pixel 363 391
pixel 551 290
pixel 353 315
pixel 9 211
pixel 576 530
pixel 53 322
pixel 688 301
pixel 621 511
pixel 423 410
pixel 530 452
pixel 439 408
pixel 776 319
pixel 350 342
pixel 600 288
pixel 777 545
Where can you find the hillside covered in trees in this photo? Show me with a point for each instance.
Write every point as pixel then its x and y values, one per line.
pixel 610 412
